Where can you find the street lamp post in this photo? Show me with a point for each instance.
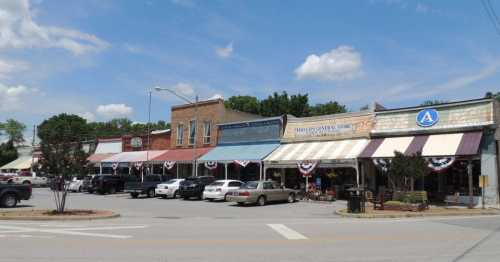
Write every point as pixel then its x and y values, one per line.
pixel 149 137
pixel 157 88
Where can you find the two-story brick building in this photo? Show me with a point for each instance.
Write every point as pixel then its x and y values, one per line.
pixel 196 124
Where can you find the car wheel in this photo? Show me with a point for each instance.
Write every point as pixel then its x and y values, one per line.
pixel 291 198
pixel 91 191
pixel 175 195
pixel 134 195
pixel 80 189
pixel 241 203
pixel 225 197
pixel 164 196
pixel 151 193
pixel 112 190
pixel 9 200
pixel 26 182
pixel 261 201
pixel 210 199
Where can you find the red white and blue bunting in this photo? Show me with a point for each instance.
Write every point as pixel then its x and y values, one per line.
pixel 169 164
pixel 114 166
pixel 306 167
pixel 382 164
pixel 211 165
pixel 440 163
pixel 242 163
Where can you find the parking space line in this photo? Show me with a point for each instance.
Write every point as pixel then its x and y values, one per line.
pixel 71 231
pixel 287 232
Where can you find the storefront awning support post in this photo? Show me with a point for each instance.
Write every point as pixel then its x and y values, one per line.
pixel 177 170
pixel 100 168
pixel 357 173
pixel 225 170
pixel 260 170
pixel 469 172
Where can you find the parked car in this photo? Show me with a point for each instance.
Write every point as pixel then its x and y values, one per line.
pixel 262 192
pixel 76 185
pixel 28 178
pixel 194 186
pixel 110 184
pixel 145 187
pixel 86 183
pixel 11 194
pixel 220 189
pixel 169 188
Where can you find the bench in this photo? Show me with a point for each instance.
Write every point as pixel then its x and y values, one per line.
pixel 453 199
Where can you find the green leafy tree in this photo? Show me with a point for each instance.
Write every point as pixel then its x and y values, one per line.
pixel 404 170
pixel 249 104
pixel 327 109
pixel 61 140
pixel 493 95
pixel 8 152
pixel 433 102
pixel 13 129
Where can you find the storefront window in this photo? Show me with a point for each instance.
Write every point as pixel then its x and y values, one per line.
pixel 180 134
pixel 207 126
pixel 192 131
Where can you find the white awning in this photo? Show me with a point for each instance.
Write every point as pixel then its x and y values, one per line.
pixel 109 147
pixel 316 151
pixel 21 163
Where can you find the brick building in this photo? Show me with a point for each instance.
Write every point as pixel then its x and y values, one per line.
pixel 210 114
pixel 160 140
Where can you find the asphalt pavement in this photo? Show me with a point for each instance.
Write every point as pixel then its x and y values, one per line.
pixel 179 230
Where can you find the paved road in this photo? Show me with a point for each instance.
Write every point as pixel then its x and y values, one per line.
pixel 178 230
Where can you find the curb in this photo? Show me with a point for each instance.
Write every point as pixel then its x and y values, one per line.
pixel 62 218
pixel 343 213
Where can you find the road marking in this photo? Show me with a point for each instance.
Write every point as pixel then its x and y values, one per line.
pixel 71 230
pixel 287 232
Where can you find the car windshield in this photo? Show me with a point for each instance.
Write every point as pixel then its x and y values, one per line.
pixel 251 185
pixel 171 181
pixel 217 183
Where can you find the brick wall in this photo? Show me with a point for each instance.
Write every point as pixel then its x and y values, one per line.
pixel 158 142
pixel 212 111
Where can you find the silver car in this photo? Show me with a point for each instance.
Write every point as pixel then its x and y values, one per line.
pixel 262 192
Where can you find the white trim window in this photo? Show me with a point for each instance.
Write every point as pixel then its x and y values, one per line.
pixel 207 132
pixel 192 131
pixel 180 134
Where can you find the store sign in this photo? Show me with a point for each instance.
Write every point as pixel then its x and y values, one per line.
pixel 427 117
pixel 136 142
pixel 325 130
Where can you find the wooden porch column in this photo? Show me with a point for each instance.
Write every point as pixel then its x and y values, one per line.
pixel 177 169
pixel 471 193
pixel 225 170
pixel 100 168
pixel 260 169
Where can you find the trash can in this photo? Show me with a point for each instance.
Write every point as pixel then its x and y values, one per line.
pixel 356 201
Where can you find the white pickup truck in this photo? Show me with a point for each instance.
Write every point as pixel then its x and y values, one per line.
pixel 28 178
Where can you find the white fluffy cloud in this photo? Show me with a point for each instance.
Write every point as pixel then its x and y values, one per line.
pixel 184 89
pixel 14 97
pixel 114 110
pixel 8 66
pixel 87 115
pixel 19 30
pixel 225 52
pixel 343 62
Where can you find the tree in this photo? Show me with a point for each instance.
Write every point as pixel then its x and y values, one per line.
pixel 13 130
pixel 493 95
pixel 8 152
pixel 328 109
pixel 433 102
pixel 61 139
pixel 404 170
pixel 249 104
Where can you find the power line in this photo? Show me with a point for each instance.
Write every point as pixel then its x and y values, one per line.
pixel 492 16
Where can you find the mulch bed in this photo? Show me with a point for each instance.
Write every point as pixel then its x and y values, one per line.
pixel 432 211
pixel 70 214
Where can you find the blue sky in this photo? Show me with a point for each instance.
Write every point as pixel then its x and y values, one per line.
pixel 98 58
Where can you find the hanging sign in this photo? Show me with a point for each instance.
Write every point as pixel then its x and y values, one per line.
pixel 381 163
pixel 211 165
pixel 306 167
pixel 427 117
pixel 440 163
pixel 242 163
pixel 169 164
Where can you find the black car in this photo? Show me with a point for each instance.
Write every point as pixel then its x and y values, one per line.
pixel 11 194
pixel 194 186
pixel 109 184
pixel 147 186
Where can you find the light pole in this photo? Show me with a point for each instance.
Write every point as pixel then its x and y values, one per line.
pixel 157 88
pixel 149 137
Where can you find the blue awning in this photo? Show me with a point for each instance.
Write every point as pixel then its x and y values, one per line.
pixel 249 152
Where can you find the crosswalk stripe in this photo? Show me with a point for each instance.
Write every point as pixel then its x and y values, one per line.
pixel 287 232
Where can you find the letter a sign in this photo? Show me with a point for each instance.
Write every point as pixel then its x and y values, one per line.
pixel 427 117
